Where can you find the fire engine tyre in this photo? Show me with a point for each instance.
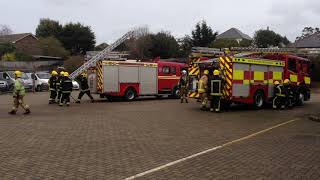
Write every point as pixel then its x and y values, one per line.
pixel 130 94
pixel 176 93
pixel 258 100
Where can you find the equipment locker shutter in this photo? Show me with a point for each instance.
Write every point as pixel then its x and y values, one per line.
pixel 110 78
pixel 239 87
pixel 129 74
pixel 148 80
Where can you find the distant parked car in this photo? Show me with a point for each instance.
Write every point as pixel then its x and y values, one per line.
pixel 8 76
pixel 4 86
pixel 40 80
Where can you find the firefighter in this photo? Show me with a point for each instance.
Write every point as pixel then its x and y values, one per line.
pixel 215 87
pixel 58 84
pixel 183 86
pixel 203 89
pixel 53 87
pixel 279 99
pixel 289 92
pixel 18 95
pixel 66 89
pixel 84 88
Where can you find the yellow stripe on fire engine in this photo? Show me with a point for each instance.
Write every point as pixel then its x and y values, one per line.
pixel 246 82
pixel 293 78
pixel 259 62
pixel 238 75
pixel 194 72
pixel 307 80
pixel 277 75
pixel 258 75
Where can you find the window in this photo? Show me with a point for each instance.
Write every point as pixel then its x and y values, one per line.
pixel 173 70
pixel 292 66
pixel 166 70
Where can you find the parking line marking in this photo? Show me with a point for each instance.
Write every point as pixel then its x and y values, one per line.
pixel 208 150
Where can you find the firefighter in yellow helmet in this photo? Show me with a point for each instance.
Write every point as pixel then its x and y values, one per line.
pixel 53 86
pixel 18 95
pixel 289 90
pixel 66 89
pixel 58 84
pixel 215 90
pixel 203 89
pixel 279 99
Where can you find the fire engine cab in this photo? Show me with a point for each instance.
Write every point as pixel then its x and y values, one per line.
pixel 131 79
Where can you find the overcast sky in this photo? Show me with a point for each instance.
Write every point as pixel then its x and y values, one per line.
pixel 110 19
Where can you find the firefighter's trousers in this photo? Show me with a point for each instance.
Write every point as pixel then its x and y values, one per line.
pixel 215 103
pixel 279 102
pixel 204 100
pixel 53 95
pixel 65 98
pixel 59 94
pixel 18 101
pixel 183 94
pixel 87 92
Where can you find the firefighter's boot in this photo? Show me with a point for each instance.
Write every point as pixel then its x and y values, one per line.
pixel 12 112
pixel 78 101
pixel 181 100
pixel 27 112
pixel 187 101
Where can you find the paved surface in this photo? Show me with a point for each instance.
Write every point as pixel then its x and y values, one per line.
pixel 120 139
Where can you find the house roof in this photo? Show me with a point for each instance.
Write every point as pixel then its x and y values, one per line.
pixel 13 38
pixel 312 41
pixel 233 33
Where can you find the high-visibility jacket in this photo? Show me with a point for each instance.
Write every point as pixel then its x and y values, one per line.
pixel 203 84
pixel 215 86
pixel 53 83
pixel 66 85
pixel 18 88
pixel 279 91
pixel 58 84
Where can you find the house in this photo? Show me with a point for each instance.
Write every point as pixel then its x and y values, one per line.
pixel 309 44
pixel 25 43
pixel 234 34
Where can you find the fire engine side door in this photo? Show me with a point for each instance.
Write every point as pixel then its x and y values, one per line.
pixel 111 78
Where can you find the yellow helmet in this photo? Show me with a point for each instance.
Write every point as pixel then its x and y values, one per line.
pixel 206 72
pixel 54 73
pixel 276 83
pixel 18 74
pixel 286 81
pixel 66 74
pixel 216 72
pixel 62 73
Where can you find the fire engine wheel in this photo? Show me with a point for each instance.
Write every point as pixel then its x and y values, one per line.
pixel 176 92
pixel 258 100
pixel 130 94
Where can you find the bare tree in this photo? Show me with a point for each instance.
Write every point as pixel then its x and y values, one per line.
pixel 5 30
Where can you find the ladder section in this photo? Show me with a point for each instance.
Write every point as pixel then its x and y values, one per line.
pixel 101 55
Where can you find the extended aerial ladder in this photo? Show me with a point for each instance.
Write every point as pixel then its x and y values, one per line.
pixel 92 62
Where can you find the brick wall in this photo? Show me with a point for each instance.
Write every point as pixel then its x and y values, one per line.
pixel 29 45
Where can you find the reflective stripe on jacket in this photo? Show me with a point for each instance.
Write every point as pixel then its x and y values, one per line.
pixel 19 88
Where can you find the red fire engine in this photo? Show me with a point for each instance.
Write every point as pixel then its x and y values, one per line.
pixel 131 79
pixel 249 77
